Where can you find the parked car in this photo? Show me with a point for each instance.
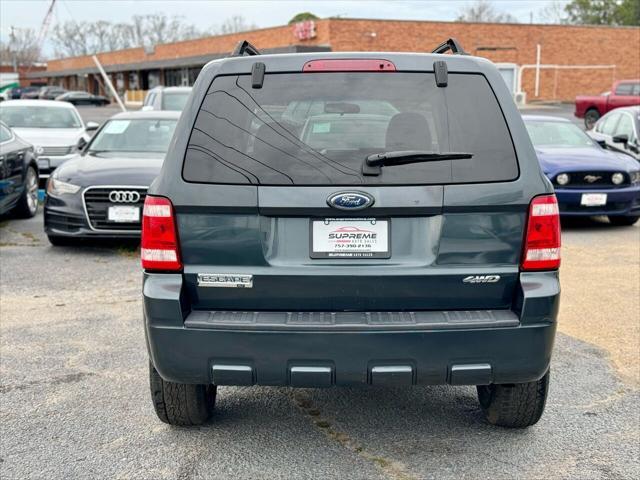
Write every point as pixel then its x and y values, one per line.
pixel 32 94
pixel 17 93
pixel 591 107
pixel 51 93
pixel 619 130
pixel 100 192
pixel 588 179
pixel 166 98
pixel 83 98
pixel 431 258
pixel 18 175
pixel 54 128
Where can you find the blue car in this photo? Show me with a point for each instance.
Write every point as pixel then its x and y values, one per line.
pixel 588 179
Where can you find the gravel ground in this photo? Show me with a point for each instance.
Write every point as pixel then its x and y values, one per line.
pixel 74 399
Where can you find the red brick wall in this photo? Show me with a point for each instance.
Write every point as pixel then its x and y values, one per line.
pixel 561 44
pixel 22 71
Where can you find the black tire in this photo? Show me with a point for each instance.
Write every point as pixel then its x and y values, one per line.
pixel 59 241
pixel 27 205
pixel 517 405
pixel 181 404
pixel 623 221
pixel 591 116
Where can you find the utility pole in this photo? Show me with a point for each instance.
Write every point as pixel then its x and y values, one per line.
pixel 108 83
pixel 12 49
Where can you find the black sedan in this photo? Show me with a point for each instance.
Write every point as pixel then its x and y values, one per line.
pixel 83 98
pixel 18 175
pixel 100 192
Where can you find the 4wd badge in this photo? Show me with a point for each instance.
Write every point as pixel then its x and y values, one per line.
pixel 481 279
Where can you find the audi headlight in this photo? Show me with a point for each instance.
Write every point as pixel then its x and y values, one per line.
pixel 617 178
pixel 57 187
pixel 562 179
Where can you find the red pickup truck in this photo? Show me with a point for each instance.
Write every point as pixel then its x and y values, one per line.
pixel 624 93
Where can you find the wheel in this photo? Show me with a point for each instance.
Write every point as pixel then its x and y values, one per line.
pixel 591 117
pixel 623 221
pixel 27 205
pixel 181 403
pixel 59 241
pixel 516 405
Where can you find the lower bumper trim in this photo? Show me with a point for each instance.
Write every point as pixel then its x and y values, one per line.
pixel 474 374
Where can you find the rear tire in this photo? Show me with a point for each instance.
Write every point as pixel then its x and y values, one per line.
pixel 517 405
pixel 181 404
pixel 591 116
pixel 623 221
pixel 27 205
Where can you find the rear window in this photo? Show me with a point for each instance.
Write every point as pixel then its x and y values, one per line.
pixel 175 101
pixel 318 128
pixel 626 89
pixel 137 135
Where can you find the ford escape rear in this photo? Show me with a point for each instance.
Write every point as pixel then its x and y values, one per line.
pixel 342 219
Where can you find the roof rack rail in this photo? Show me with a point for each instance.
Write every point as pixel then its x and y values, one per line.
pixel 244 47
pixel 451 44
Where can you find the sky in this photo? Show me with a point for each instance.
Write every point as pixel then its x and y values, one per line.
pixel 205 13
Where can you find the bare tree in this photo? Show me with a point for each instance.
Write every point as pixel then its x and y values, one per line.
pixel 483 11
pixel 83 38
pixel 21 49
pixel 235 24
pixel 554 12
pixel 70 39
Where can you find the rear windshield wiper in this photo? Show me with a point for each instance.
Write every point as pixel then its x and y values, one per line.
pixel 373 163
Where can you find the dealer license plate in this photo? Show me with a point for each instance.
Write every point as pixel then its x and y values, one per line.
pixel 123 214
pixel 593 199
pixel 350 238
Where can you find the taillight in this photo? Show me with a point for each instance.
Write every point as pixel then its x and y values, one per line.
pixel 542 243
pixel 159 245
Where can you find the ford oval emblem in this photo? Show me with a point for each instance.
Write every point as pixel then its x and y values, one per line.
pixel 350 200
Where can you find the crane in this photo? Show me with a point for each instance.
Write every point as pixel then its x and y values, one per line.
pixel 42 34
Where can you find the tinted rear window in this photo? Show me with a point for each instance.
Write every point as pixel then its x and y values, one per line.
pixel 317 129
pixel 175 101
pixel 626 89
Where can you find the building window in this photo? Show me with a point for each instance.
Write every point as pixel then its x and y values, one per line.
pixel 153 79
pixel 120 82
pixel 173 77
pixel 193 74
pixel 133 81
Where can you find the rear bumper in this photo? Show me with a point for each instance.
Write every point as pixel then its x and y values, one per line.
pixel 511 347
pixel 620 201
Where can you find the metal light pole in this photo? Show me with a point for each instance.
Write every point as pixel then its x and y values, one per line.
pixel 108 83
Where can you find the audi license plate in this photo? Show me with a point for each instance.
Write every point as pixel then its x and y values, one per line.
pixel 593 199
pixel 123 214
pixel 350 238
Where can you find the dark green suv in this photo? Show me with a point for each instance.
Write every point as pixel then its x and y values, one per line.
pixel 329 219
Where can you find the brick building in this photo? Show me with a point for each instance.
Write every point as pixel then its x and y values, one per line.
pixel 573 59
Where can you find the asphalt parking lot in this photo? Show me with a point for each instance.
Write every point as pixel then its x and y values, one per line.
pixel 74 397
